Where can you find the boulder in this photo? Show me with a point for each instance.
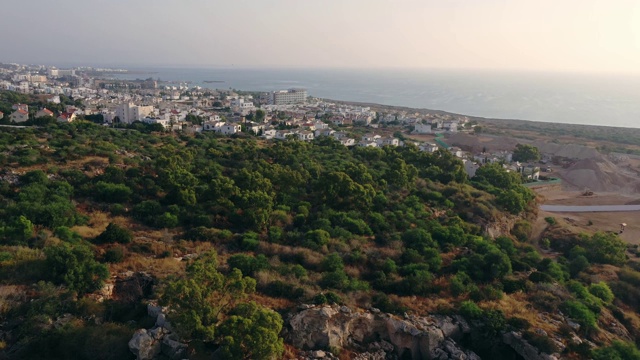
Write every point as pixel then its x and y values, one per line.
pixel 144 345
pixel 523 348
pixel 381 334
pixel 173 349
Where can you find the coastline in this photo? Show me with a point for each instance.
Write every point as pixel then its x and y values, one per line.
pixel 504 121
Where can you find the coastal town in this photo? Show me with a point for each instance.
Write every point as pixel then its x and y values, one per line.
pixel 95 94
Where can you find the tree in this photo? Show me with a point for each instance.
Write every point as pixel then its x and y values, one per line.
pixel 18 231
pixel 198 299
pixel 259 116
pixel 526 153
pixel 251 332
pixel 76 267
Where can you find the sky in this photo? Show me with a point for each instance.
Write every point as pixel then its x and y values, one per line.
pixel 538 35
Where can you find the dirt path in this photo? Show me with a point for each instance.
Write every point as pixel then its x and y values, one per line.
pixel 591 222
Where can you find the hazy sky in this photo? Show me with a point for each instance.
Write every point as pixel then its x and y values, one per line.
pixel 577 35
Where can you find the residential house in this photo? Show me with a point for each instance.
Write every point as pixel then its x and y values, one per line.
pixel 319 125
pixel 324 132
pixel 388 141
pixel 19 116
pixel 470 168
pixel 230 129
pixel 456 151
pixel 370 137
pixel 305 135
pixel 44 113
pixel 422 128
pixel 254 127
pixel 367 143
pixel 428 147
pixel 269 133
pixel 283 134
pixel 162 121
pixel 211 125
pixel 450 126
pixel 66 117
pixel 347 141
pixel 339 135
pixel 24 107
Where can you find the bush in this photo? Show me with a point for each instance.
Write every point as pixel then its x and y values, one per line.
pixel 618 350
pixel 114 255
pixel 283 290
pixel 602 291
pixel 248 264
pixel 114 233
pixel 75 267
pixel 470 310
pixel 580 313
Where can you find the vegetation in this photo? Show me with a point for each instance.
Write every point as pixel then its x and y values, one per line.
pixel 266 225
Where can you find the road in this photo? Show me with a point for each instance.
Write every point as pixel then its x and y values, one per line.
pixel 591 208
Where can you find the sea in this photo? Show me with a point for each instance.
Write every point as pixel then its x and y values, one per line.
pixel 573 98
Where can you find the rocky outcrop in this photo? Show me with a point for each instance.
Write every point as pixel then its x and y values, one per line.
pixel 160 341
pixel 523 348
pixel 428 337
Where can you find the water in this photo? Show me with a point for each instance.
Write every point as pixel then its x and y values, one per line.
pixel 612 100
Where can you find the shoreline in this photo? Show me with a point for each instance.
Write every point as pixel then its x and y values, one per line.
pixel 474 117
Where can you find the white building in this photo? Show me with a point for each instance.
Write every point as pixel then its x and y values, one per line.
pixel 60 73
pixel 389 141
pixel 164 122
pixel 19 116
pixel 428 147
pixel 423 128
pixel 305 135
pixel 212 125
pixel 291 96
pixel 128 112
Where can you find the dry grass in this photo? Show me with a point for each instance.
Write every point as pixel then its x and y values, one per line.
pixel 11 296
pixel 517 305
pixel 160 268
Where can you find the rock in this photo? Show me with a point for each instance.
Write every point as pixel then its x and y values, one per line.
pixel 144 346
pixel 574 325
pixel 153 310
pixel 62 321
pixel 380 334
pixel 378 355
pixel 541 332
pixel 318 354
pixel 173 349
pixel 161 320
pixel 576 339
pixel 523 348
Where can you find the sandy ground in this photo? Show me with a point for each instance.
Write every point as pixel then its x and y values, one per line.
pixel 600 221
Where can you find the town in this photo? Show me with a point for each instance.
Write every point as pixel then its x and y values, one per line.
pixel 93 94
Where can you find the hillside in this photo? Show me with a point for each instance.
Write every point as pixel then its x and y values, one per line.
pixel 255 249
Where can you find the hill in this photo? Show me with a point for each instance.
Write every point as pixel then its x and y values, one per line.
pixel 234 238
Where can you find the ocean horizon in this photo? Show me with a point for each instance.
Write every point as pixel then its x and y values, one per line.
pixel 572 98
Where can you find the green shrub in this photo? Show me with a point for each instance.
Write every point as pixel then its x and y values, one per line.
pixel 470 310
pixel 602 291
pixel 580 313
pixel 618 350
pixel 114 255
pixel 114 233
